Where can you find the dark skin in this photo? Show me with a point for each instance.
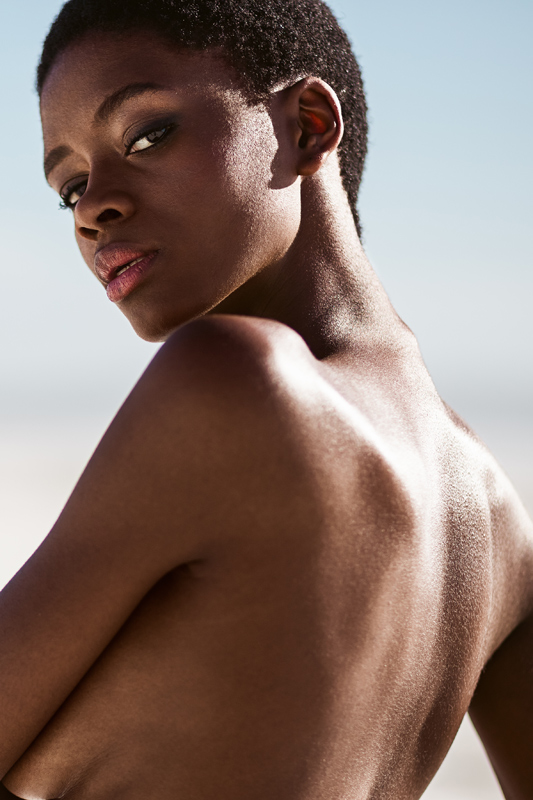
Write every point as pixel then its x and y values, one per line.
pixel 287 563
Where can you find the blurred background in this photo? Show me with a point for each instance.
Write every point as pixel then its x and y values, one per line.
pixel 446 206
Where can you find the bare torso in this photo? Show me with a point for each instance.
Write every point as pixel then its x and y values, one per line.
pixel 330 651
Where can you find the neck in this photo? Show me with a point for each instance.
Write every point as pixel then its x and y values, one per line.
pixel 324 287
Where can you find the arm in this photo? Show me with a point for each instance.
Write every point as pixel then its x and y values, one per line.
pixel 502 712
pixel 188 431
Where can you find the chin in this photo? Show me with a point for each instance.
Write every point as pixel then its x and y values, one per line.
pixel 153 333
pixel 155 319
pixel 157 328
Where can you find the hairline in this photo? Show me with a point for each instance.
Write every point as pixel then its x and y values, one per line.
pixel 252 95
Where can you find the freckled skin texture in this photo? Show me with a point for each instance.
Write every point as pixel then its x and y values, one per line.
pixel 288 563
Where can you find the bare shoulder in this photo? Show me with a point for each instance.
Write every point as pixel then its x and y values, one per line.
pixel 211 413
pixel 236 358
pixel 198 447
pixel 221 409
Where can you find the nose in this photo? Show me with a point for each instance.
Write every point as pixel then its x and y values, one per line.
pixel 106 201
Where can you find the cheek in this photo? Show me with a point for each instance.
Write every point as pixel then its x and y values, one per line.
pixel 231 203
pixel 261 191
pixel 87 250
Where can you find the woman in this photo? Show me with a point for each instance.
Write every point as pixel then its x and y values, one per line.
pixel 287 563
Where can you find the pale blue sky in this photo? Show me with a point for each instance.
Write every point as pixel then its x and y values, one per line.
pixel 446 206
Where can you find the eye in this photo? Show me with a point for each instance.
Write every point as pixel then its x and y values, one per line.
pixel 147 139
pixel 71 193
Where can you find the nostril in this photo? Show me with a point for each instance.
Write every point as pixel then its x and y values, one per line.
pixel 92 235
pixel 108 215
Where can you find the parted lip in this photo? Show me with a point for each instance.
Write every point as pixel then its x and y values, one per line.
pixel 113 257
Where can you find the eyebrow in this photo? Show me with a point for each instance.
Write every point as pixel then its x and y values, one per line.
pixel 104 111
pixel 55 157
pixel 111 103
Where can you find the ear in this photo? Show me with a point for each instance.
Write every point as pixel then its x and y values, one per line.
pixel 319 119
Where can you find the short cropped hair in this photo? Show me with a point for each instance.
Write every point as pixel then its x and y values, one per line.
pixel 267 42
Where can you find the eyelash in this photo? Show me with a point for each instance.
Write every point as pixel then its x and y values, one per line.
pixel 137 137
pixel 64 203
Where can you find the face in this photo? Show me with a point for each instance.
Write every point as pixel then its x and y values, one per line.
pixel 181 191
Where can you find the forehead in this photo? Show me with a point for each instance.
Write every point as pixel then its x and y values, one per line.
pixel 95 67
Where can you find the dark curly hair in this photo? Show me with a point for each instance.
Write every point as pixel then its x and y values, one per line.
pixel 266 41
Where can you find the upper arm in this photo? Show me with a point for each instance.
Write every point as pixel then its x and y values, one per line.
pixel 502 712
pixel 183 467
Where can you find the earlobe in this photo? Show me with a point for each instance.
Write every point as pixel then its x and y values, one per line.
pixel 320 123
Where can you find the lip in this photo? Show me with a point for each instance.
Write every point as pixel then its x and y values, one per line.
pixel 112 258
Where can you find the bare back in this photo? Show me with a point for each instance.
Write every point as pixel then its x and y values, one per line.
pixel 330 647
